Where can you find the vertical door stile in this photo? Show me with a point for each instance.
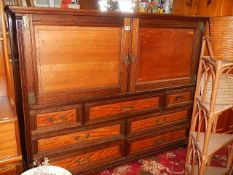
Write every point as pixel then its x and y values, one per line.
pixel 125 52
pixel 134 55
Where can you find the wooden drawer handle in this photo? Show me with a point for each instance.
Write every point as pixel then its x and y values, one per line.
pixel 162 120
pixel 51 119
pixel 159 141
pixel 79 138
pixel 84 160
pixel 178 98
pixel 127 108
pixel 62 117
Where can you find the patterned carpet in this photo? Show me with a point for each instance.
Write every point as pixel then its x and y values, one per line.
pixel 167 163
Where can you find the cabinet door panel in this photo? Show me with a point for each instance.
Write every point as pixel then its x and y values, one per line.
pixel 160 49
pixel 77 58
pixel 75 62
pixel 164 55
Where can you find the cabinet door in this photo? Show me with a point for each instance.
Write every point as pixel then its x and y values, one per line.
pixel 78 58
pixel 164 53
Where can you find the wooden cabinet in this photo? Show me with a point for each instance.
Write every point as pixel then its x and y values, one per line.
pixel 98 87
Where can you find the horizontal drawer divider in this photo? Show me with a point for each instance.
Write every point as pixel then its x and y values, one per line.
pixel 79 147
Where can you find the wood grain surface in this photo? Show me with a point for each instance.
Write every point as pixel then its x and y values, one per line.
pixel 148 143
pixel 78 63
pixel 78 137
pixel 123 107
pixel 54 118
pixel 88 158
pixel 157 120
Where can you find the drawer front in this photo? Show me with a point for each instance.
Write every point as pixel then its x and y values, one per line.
pixel 125 107
pixel 179 98
pixel 151 142
pixel 8 144
pixel 11 170
pixel 150 122
pixel 55 118
pixel 79 137
pixel 79 161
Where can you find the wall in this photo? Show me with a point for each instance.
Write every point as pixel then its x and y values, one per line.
pixel 203 7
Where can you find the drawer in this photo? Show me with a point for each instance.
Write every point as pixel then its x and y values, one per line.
pixel 179 97
pixel 119 107
pixel 8 144
pixel 53 117
pixel 11 169
pixel 148 143
pixel 79 137
pixel 79 161
pixel 155 120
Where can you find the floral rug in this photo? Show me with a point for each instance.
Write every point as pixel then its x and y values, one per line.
pixel 167 163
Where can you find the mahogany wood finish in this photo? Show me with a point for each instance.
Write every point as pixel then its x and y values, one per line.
pixel 94 83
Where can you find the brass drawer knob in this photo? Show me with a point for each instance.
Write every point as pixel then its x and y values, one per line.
pixel 127 108
pixel 179 98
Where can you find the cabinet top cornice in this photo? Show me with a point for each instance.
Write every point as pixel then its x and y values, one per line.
pixel 19 11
